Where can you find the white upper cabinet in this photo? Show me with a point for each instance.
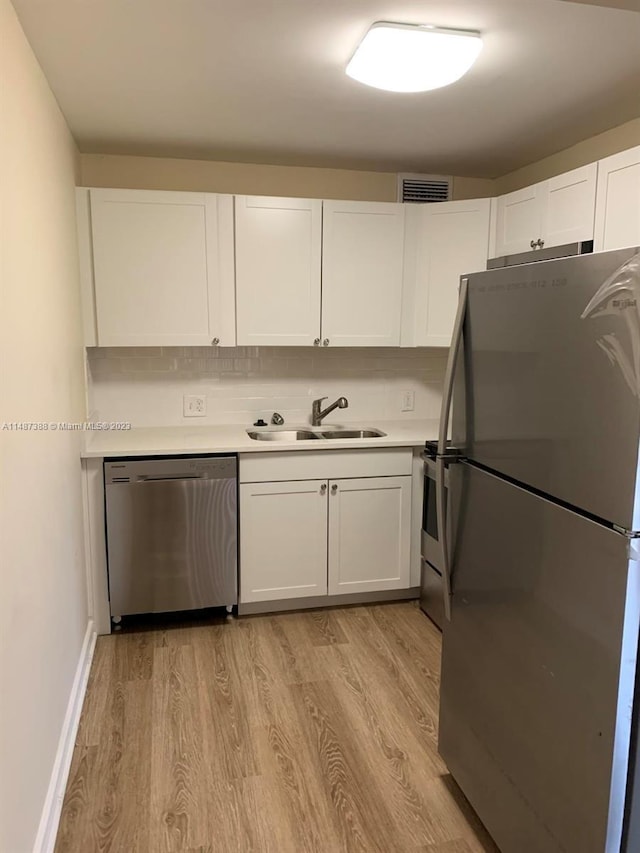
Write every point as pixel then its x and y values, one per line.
pixel 618 201
pixel 519 220
pixel 162 268
pixel 570 207
pixel 180 268
pixel 362 273
pixel 369 534
pixel 278 249
pixel 551 213
pixel 446 240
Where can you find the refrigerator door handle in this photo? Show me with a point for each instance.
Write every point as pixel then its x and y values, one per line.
pixel 441 514
pixel 456 340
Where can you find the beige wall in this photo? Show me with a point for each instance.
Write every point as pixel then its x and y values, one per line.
pixel 588 151
pixel 632 5
pixel 43 599
pixel 158 173
pixel 472 188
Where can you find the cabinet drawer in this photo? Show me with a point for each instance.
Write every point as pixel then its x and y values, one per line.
pixel 324 465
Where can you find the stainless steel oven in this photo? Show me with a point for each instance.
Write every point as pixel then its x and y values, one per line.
pixel 431 585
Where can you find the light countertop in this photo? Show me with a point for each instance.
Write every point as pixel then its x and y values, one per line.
pixel 233 438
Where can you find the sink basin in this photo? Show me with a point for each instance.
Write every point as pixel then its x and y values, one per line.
pixel 310 435
pixel 283 435
pixel 353 433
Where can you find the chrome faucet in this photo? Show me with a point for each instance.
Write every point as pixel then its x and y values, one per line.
pixel 317 414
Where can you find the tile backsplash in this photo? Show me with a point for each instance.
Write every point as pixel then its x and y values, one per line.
pixel 146 385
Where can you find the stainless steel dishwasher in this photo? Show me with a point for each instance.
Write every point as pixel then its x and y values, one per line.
pixel 172 534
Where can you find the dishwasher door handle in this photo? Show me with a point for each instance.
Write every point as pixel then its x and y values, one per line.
pixel 150 478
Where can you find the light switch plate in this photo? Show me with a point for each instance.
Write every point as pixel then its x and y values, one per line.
pixel 194 406
pixel 408 401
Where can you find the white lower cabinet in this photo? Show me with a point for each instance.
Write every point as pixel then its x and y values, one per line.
pixel 283 540
pixel 341 534
pixel 369 534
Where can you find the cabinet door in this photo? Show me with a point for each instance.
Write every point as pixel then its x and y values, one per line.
pixel 362 268
pixel 283 540
pixel 369 534
pixel 452 239
pixel 618 201
pixel 519 220
pixel 163 268
pixel 570 207
pixel 278 248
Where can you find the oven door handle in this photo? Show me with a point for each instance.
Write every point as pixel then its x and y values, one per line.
pixel 441 514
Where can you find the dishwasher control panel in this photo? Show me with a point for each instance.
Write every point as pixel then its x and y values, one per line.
pixel 183 468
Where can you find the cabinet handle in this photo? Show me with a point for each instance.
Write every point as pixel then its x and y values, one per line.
pixel 215 342
pixel 540 243
pixel 325 342
pixel 323 489
pixel 334 489
pixel 533 244
pixel 316 343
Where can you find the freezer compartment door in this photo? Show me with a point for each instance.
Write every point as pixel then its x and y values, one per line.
pixel 548 391
pixel 538 668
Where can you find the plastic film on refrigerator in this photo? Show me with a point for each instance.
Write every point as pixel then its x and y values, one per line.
pixel 620 295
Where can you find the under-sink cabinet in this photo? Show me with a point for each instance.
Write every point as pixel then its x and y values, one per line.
pixel 283 539
pixel 340 525
pixel 369 534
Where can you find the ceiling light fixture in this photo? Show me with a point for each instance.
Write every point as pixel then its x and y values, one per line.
pixel 413 57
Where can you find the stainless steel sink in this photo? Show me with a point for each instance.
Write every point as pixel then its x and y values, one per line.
pixel 310 435
pixel 353 433
pixel 283 435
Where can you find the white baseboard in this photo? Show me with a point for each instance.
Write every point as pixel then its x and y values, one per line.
pixel 50 818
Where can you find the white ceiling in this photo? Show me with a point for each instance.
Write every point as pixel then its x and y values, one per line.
pixel 263 80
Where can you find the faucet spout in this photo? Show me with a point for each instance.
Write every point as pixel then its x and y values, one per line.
pixel 318 414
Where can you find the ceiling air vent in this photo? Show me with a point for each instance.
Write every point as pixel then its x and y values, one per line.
pixel 421 189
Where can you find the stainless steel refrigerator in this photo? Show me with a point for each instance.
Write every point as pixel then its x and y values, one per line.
pixel 541 555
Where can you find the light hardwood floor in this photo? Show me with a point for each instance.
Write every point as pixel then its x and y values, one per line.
pixel 298 732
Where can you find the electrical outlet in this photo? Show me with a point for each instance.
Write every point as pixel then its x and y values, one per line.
pixel 194 406
pixel 408 401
